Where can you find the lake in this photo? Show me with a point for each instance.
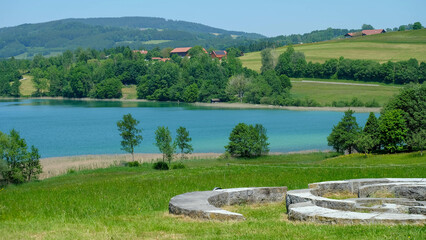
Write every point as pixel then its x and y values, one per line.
pixel 67 127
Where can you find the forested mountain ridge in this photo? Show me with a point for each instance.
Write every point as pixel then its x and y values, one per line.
pixel 28 40
pixel 160 23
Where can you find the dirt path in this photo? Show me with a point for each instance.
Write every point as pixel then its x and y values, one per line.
pixel 339 83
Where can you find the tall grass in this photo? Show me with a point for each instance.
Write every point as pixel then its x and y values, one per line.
pixel 131 203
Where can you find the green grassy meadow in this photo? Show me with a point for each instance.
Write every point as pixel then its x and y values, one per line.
pixel 392 46
pixel 324 92
pixel 132 203
pixel 27 86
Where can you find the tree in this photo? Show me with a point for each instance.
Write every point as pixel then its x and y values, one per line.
pixel 14 89
pixel 417 26
pixel 365 143
pixel 182 141
pixel 344 134
pixel 418 141
pixel 21 165
pixel 130 134
pixel 190 93
pixel 238 85
pixel 247 141
pixel 393 130
pixel 163 140
pixel 367 27
pixel 108 88
pixel 371 129
pixel 267 60
pixel 411 100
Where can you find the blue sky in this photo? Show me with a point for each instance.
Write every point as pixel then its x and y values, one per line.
pixel 268 17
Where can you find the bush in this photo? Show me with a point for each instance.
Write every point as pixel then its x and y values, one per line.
pixel 132 164
pixel 161 166
pixel 178 166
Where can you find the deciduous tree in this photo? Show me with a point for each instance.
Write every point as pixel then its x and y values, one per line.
pixel 182 141
pixel 163 140
pixel 130 134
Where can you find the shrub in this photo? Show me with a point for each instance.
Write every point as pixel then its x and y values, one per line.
pixel 161 166
pixel 132 164
pixel 248 141
pixel 178 166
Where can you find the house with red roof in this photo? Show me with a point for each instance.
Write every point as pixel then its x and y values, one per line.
pixel 182 51
pixel 218 54
pixel 365 33
pixel 372 32
pixel 140 51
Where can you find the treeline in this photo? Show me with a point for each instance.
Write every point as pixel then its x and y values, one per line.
pixel 400 127
pixel 102 74
pixel 279 41
pixel 293 64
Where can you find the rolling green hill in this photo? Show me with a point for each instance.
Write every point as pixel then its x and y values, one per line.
pixel 393 46
pixel 99 33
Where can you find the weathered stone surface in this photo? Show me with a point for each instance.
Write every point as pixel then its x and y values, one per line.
pixel 308 205
pixel 206 204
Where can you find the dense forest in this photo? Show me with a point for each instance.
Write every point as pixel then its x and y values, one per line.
pixel 101 74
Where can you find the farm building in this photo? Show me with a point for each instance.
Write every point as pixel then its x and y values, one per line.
pixel 372 32
pixel 364 33
pixel 183 51
pixel 218 54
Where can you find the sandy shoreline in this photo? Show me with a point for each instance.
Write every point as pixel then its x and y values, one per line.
pixel 223 105
pixel 55 166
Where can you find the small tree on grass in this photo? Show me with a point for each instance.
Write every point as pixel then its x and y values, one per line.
pixel 344 134
pixel 248 141
pixel 130 134
pixel 182 141
pixel 418 141
pixel 163 140
pixel 365 143
pixel 18 165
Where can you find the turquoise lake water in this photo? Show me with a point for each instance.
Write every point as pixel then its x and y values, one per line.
pixel 65 127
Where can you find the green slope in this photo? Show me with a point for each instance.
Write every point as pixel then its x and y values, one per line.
pixel 393 46
pixel 132 203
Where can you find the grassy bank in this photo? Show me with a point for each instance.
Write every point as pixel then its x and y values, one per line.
pixel 393 46
pixel 132 203
pixel 325 91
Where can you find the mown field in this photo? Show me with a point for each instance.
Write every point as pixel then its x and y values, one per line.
pixel 393 46
pixel 132 203
pixel 325 91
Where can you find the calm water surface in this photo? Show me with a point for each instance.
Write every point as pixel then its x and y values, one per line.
pixel 65 127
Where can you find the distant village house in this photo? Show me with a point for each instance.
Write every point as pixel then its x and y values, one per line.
pixel 140 51
pixel 182 52
pixel 160 59
pixel 218 54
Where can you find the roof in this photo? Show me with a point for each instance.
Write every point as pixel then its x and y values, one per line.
pixel 353 34
pixel 219 53
pixel 181 50
pixel 140 51
pixel 160 59
pixel 372 32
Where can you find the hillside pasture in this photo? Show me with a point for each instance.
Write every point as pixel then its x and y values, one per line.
pixel 326 91
pixel 393 46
